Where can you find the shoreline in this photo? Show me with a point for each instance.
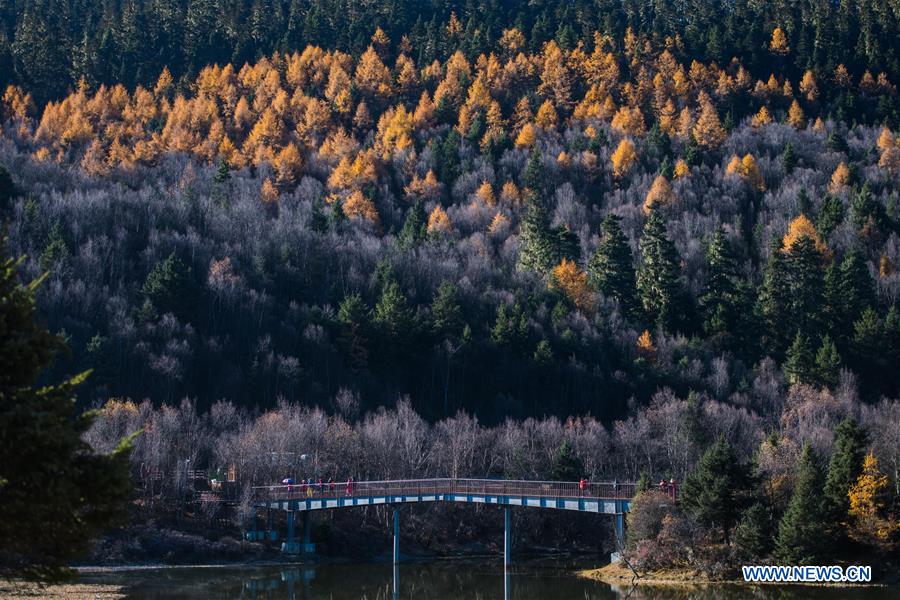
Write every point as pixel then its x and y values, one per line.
pixel 619 574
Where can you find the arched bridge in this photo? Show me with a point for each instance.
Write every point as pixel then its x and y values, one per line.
pixel 611 498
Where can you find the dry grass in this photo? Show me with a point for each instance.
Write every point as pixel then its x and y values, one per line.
pixel 69 591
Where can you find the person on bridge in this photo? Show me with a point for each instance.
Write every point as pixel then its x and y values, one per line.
pixel 350 486
pixel 672 488
pixel 309 488
pixel 331 485
pixel 582 486
pixel 320 486
pixel 663 487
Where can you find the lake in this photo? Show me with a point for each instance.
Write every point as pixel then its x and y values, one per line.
pixel 471 578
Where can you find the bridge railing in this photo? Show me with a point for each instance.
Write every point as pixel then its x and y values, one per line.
pixel 427 487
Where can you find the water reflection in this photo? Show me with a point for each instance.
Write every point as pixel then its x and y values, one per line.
pixel 480 580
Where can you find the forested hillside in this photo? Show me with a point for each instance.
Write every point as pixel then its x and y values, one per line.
pixel 510 233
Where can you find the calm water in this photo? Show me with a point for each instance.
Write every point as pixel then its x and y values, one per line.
pixel 476 579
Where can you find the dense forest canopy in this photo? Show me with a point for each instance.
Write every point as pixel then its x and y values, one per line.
pixel 49 45
pixel 521 233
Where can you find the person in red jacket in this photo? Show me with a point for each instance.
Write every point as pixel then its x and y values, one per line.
pixel 350 486
pixel 582 486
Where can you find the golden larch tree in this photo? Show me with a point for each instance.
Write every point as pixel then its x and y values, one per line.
pixel 808 86
pixel 546 117
pixel 779 43
pixel 763 117
pixel 510 194
pixel 439 222
pixel 485 193
pixel 499 224
pixel 795 116
pixel 799 228
pixel 840 179
pixel 573 282
pixel 708 130
pixel 660 194
pixel 358 206
pixel 868 506
pixel 629 120
pixel 287 164
pixel 623 158
pixel 526 137
pixel 645 347
pixel 372 77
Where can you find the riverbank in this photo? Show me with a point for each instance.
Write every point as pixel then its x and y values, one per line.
pixel 69 591
pixel 619 574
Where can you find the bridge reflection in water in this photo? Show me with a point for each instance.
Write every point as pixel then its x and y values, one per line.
pixel 610 498
pixel 552 579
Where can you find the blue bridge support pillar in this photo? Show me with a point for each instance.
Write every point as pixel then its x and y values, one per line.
pixel 307 546
pixel 396 535
pixel 290 545
pixel 620 532
pixel 507 539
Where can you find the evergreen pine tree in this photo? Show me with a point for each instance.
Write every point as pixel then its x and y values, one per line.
pixel 753 535
pixel 567 466
pixel 718 302
pixel 805 273
pixel 833 304
pixel 828 363
pixel 775 300
pixel 844 467
pixel 611 270
pixel 169 287
pixel 857 287
pixel 799 365
pixel 446 312
pixel 536 248
pixel 534 178
pixel 415 227
pixel 789 160
pixel 353 336
pixel 800 530
pixel 831 214
pixel 643 483
pixel 717 491
pixel 55 492
pixel 543 247
pixel 659 276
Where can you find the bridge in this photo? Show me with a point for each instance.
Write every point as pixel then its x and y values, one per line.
pixel 609 498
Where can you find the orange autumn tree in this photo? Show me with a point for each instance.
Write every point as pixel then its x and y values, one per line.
pixel 840 179
pixel 779 44
pixel 795 117
pixel 660 194
pixel 573 282
pixel 868 506
pixel 645 347
pixel 763 117
pixel 799 228
pixel 623 158
pixel 747 169
pixel 358 206
pixel 708 130
pixel 439 222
